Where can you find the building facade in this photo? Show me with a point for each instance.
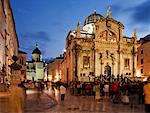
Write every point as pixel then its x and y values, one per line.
pixel 8 37
pixel 143 56
pixel 22 62
pixel 2 35
pixel 55 70
pixel 35 67
pixel 99 48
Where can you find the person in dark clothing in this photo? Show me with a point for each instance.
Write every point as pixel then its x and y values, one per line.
pixel 133 93
pixel 141 99
pixel 22 85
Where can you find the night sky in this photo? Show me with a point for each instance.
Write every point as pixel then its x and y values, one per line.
pixel 49 21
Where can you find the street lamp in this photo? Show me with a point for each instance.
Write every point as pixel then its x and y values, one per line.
pixel 101 61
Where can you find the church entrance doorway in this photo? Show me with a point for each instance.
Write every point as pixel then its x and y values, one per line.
pixel 107 71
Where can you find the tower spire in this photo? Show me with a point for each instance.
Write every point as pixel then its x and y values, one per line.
pixel 78 29
pixel 108 12
pixel 134 36
pixel 37 45
pixel 94 11
pixel 78 26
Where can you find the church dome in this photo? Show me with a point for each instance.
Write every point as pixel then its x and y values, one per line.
pixel 36 51
pixel 93 18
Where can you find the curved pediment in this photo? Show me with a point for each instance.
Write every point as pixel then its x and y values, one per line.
pixel 110 21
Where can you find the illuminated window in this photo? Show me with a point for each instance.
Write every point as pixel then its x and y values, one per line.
pixel 127 63
pixel 86 61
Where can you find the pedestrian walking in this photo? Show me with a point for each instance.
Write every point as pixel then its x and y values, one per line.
pixel 88 88
pixel 97 92
pixel 39 93
pixel 22 85
pixel 133 94
pixel 78 88
pixel 94 88
pixel 62 92
pixel 106 91
pixel 147 95
pixel 116 93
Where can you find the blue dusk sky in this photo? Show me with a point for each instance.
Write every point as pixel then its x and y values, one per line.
pixel 49 21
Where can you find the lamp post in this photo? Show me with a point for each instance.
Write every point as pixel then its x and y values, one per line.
pixel 101 62
pixel 133 55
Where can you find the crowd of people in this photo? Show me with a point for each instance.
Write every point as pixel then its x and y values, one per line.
pixel 118 89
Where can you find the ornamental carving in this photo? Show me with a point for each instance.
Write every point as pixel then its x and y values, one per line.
pixel 107 35
pixel 112 37
pixel 103 36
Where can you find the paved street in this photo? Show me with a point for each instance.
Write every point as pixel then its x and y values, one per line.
pixel 38 102
pixel 34 102
pixel 50 103
pixel 85 104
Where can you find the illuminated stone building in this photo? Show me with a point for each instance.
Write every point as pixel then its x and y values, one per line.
pixel 8 38
pixel 99 48
pixel 2 35
pixel 144 56
pixel 55 69
pixel 36 67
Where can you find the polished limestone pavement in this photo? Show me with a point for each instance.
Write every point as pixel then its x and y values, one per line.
pixel 87 104
pixel 49 102
pixel 38 102
pixel 35 102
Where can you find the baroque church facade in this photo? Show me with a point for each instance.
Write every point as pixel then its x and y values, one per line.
pixel 99 48
pixel 36 67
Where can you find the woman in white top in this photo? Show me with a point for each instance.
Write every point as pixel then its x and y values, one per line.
pixel 106 90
